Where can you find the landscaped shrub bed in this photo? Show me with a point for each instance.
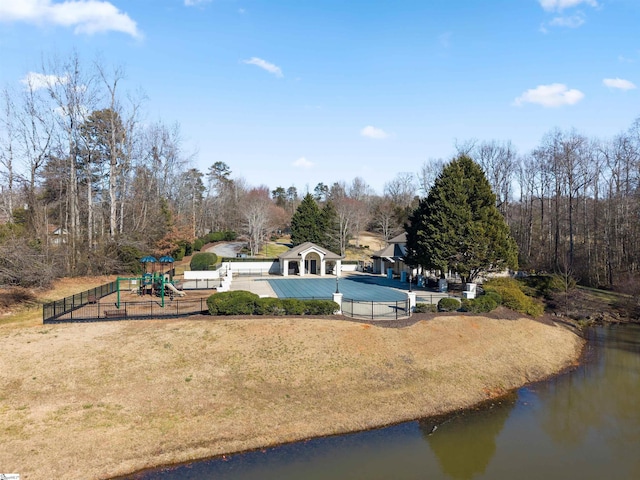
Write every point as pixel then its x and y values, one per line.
pixel 232 303
pixel 448 305
pixel 247 303
pixel 513 296
pixel 482 304
pixel 425 308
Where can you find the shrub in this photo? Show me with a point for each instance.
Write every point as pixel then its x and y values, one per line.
pixel 198 244
pixel 547 285
pixel 425 308
pixel 203 260
pixel 130 256
pixel 269 306
pixel 232 303
pixel 320 307
pixel 178 253
pixel 293 306
pixel 493 295
pixel 513 297
pixel 188 249
pixel 226 236
pixel 448 305
pixel 482 304
pixel 247 303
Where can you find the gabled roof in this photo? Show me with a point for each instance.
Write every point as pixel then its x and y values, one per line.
pixel 396 250
pixel 296 252
pixel 393 251
pixel 402 238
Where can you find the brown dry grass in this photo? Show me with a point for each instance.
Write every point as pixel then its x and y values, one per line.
pixel 81 401
pixel 23 313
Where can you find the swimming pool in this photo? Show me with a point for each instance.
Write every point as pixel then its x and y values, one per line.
pixel 355 289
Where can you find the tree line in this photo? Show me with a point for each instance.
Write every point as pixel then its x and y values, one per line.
pixel 87 185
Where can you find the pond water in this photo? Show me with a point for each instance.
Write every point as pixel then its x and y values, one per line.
pixel 584 424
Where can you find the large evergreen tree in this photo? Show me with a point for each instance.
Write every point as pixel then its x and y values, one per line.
pixel 307 224
pixel 330 229
pixel 458 227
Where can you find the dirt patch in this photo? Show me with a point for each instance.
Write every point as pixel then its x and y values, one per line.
pixel 83 401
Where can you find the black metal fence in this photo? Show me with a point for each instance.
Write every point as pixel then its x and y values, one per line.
pixel 134 310
pixel 58 308
pixel 376 310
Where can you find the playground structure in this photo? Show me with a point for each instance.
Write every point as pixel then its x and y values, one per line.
pixel 152 283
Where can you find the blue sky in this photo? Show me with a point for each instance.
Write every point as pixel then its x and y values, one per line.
pixel 295 92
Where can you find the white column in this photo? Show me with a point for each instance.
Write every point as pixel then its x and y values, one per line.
pixel 412 301
pixel 302 257
pixel 337 297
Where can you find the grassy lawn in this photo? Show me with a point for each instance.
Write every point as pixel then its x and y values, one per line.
pixel 96 400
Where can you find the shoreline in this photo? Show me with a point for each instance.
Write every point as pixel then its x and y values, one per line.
pixel 483 404
pixel 159 393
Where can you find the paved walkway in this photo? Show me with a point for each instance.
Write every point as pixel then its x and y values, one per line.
pixel 258 285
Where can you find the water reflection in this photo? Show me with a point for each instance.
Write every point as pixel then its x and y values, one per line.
pixel 596 409
pixel 465 443
pixel 585 425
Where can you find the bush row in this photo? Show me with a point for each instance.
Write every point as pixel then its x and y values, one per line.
pixel 482 304
pixel 512 293
pixel 213 237
pixel 247 303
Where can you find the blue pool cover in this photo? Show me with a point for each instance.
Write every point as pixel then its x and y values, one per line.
pixel 355 289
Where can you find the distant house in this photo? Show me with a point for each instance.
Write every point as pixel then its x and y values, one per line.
pixel 392 256
pixel 57 235
pixel 309 259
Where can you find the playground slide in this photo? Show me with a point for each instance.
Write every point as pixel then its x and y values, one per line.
pixel 175 290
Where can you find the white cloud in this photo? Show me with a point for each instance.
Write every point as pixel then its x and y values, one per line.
pixel 302 162
pixel 191 3
pixel 269 67
pixel 373 132
pixel 87 16
pixel 619 83
pixel 558 5
pixel 553 95
pixel 573 21
pixel 37 81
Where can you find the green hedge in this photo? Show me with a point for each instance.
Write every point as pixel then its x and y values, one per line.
pixel 481 304
pixel 198 244
pixel 226 236
pixel 232 303
pixel 320 307
pixel 513 296
pixel 293 306
pixel 269 306
pixel 246 303
pixel 448 305
pixel 203 261
pixel 425 308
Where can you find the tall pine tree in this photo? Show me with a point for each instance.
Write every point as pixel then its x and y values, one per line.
pixel 307 224
pixel 458 227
